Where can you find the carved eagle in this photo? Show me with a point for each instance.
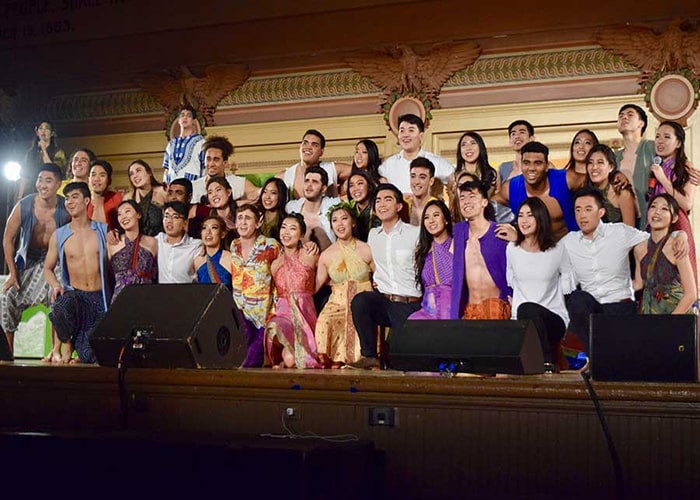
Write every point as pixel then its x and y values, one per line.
pixel 173 88
pixel 675 49
pixel 403 71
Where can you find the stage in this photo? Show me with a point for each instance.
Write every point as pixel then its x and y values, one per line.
pixel 532 436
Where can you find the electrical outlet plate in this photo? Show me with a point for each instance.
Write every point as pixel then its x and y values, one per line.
pixel 292 413
pixel 382 416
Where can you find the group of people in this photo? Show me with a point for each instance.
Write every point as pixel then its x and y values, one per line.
pixel 325 255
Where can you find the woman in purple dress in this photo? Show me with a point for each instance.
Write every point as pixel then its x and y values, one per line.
pixel 434 262
pixel 134 255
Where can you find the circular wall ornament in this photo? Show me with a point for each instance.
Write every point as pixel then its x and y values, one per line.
pixel 673 97
pixel 402 106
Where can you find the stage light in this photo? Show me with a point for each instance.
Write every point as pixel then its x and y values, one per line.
pixel 12 171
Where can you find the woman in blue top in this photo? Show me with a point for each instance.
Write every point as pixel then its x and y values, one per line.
pixel 215 265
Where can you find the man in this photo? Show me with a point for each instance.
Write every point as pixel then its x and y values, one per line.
pixel 479 286
pixel 396 294
pixel 216 154
pixel 103 202
pixel 80 249
pixel 552 186
pixel 176 249
pixel 183 154
pixel 422 180
pixel 35 218
pixel 311 150
pixel 80 161
pixel 599 254
pixel 314 207
pixel 396 169
pixel 520 132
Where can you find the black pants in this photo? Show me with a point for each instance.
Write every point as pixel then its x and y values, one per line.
pixel 372 309
pixel 550 327
pixel 582 304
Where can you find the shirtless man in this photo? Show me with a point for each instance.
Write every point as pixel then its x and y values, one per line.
pixel 314 207
pixel 310 151
pixel 80 249
pixel 553 187
pixel 35 218
pixel 479 286
pixel 422 180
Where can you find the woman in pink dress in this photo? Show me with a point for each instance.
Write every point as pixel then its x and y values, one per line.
pixel 289 334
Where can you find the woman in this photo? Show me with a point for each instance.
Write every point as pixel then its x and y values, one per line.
pixel 434 262
pixel 540 273
pixel 672 177
pixel 134 256
pixel 103 202
pixel 360 190
pixel 579 150
pixel 601 168
pixel 289 334
pixel 251 279
pixel 272 200
pixel 367 159
pixel 348 264
pixel 220 199
pixel 149 194
pixel 43 149
pixel 668 283
pixel 214 266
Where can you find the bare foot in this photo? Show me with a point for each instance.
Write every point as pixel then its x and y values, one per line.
pixel 279 367
pixel 288 358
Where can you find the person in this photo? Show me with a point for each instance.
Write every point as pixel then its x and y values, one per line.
pixel 551 186
pixel 80 249
pixel 396 168
pixel 220 198
pixel 360 191
pixel 134 256
pixel 396 295
pixel 540 274
pixel 289 333
pixel 601 168
pixel 103 202
pixel 314 207
pixel 181 190
pixel 80 161
pixel 217 150
pixel 479 286
pixel 434 257
pixel 668 282
pixel 366 159
pixel 43 149
pixel 215 265
pixel 520 132
pixel 176 248
pixel 673 177
pixel 34 218
pixel 149 194
pixel 313 144
pixel 422 180
pixel 348 264
pixel 580 147
pixel 183 155
pixel 251 256
pixel 599 258
pixel 272 203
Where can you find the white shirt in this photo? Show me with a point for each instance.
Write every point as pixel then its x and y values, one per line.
pixel 328 166
pixel 326 203
pixel 540 277
pixel 396 169
pixel 394 260
pixel 199 188
pixel 601 265
pixel 176 261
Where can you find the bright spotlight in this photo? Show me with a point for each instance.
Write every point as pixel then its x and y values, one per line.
pixel 12 171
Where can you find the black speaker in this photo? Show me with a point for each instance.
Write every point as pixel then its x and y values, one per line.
pixel 470 346
pixel 644 348
pixel 171 326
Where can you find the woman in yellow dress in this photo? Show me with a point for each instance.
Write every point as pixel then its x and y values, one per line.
pixel 348 264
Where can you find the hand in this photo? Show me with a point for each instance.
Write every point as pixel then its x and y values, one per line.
pixel 311 248
pixel 693 172
pixel 506 232
pixel 11 282
pixel 55 292
pixel 679 244
pixel 620 182
pixel 112 237
pixel 658 172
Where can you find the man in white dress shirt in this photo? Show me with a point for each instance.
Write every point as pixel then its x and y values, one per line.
pixel 396 168
pixel 176 249
pixel 396 294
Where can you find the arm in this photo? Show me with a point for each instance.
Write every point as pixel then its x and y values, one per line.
pixel 8 247
pixel 640 250
pixel 690 290
pixel 321 272
pixel 502 196
pixel 343 171
pixel 252 192
pixel 685 201
pixel 627 207
pixel 49 265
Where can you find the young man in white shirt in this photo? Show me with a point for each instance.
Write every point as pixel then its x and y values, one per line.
pixel 176 249
pixel 396 294
pixel 396 168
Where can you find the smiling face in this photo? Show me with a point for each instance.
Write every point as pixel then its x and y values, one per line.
pixel 386 207
pixel 342 224
pixel 469 149
pixel 534 167
pixel 214 162
pixel 218 195
pixel 358 187
pixel 434 221
pixel 139 176
pixel 270 196
pixel 518 137
pixel 128 217
pixel 659 214
pixel 472 203
pixel 361 156
pixel 310 150
pixel 80 165
pixel 588 214
pixel 290 233
pixel 666 143
pixel 76 203
pixel 99 179
pixel 526 221
pixel 212 233
pixel 247 223
pixel 598 168
pixel 47 184
pixel 410 137
pixel 421 181
pixel 583 142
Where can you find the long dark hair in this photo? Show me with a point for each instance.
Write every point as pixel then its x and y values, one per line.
pixel 154 182
pixel 679 168
pixel 279 210
pixel 486 172
pixel 223 182
pixel 137 208
pixel 673 207
pixel 572 162
pixel 373 160
pixel 544 236
pixel 609 156
pixel 425 240
pixel 34 146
